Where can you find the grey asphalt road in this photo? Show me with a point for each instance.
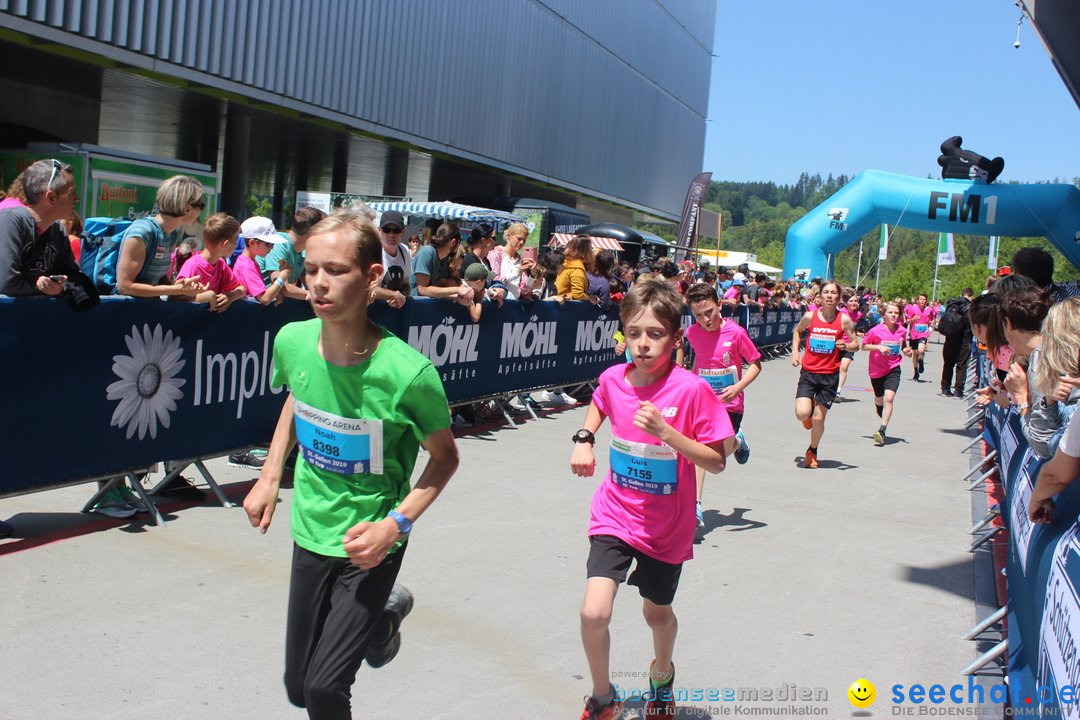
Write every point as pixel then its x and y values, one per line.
pixel 803 582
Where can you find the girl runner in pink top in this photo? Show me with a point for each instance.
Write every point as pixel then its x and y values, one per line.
pixel 885 343
pixel 851 309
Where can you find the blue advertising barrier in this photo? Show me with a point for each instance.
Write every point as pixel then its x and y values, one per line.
pixel 1043 580
pixel 134 382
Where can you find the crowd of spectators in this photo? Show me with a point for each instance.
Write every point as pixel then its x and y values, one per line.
pixel 40 247
pixel 1028 333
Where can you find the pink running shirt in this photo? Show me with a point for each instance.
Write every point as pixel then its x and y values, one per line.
pixel 919 321
pixel 881 364
pixel 854 321
pixel 247 274
pixel 648 501
pixel 217 277
pixel 723 352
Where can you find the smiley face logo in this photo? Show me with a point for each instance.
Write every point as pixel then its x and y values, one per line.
pixel 862 693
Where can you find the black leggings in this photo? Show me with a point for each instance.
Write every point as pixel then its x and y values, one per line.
pixel 333 607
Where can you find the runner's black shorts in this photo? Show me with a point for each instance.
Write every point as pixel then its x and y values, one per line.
pixel 820 388
pixel 849 354
pixel 886 382
pixel 914 343
pixel 609 557
pixel 736 420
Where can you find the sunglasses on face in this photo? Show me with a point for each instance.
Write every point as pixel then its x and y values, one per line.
pixel 200 204
pixel 392 230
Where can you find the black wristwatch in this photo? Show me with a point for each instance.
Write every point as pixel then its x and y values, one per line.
pixel 584 436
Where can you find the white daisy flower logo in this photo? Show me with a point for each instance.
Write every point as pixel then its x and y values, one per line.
pixel 148 387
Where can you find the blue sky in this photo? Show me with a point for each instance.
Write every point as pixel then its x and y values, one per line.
pixel 841 86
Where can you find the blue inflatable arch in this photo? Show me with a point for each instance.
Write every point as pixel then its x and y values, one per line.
pixel 958 206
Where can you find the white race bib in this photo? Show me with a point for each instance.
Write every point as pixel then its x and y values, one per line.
pixel 824 344
pixel 651 469
pixel 718 378
pixel 347 446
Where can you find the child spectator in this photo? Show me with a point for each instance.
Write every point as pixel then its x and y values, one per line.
pixel 292 252
pixel 477 276
pixel 260 237
pixel 664 421
pixel 184 250
pixel 209 268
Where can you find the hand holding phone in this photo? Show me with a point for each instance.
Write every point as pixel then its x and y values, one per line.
pixel 529 253
pixel 58 278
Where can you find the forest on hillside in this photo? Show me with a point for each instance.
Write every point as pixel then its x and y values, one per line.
pixel 757 215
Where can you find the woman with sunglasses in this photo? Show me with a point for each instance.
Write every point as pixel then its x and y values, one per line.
pixel 147 245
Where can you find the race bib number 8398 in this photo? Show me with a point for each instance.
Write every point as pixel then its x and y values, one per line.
pixel 348 446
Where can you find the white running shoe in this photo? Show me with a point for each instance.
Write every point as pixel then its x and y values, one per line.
pixel 112 504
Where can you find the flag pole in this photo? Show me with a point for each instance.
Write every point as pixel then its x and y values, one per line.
pixel 858 268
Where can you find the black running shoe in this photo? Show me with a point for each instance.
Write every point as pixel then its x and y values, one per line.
pixel 252 459
pixel 387 638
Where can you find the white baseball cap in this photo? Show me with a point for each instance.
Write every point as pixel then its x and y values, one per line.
pixel 739 276
pixel 260 228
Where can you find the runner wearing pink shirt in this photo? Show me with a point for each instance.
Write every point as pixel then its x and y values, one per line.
pixel 260 236
pixel 850 308
pixel 721 348
pixel 885 343
pixel 220 233
pixel 664 421
pixel 918 318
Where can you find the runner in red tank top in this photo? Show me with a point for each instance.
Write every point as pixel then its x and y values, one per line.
pixel 820 362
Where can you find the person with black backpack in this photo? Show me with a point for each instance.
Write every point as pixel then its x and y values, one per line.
pixel 955 328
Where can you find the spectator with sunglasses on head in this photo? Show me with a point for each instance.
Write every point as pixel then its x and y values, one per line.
pixel 35 255
pixel 147 245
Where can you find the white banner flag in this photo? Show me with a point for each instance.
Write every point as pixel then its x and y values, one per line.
pixel 945 251
pixel 883 247
pixel 991 257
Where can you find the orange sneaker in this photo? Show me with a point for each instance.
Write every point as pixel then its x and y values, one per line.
pixel 810 461
pixel 660 702
pixel 593 711
pixel 808 423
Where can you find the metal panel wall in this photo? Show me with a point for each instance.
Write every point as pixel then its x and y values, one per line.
pixel 608 96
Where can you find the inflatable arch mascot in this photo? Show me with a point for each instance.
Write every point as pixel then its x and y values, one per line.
pixel 964 201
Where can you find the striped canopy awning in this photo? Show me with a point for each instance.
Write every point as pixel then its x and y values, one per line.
pixel 448 211
pixel 603 243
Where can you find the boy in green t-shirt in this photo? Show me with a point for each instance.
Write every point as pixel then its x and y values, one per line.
pixel 361 402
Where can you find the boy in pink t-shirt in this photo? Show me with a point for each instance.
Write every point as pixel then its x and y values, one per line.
pixel 260 236
pixel 664 421
pixel 209 267
pixel 885 343
pixel 918 317
pixel 721 348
